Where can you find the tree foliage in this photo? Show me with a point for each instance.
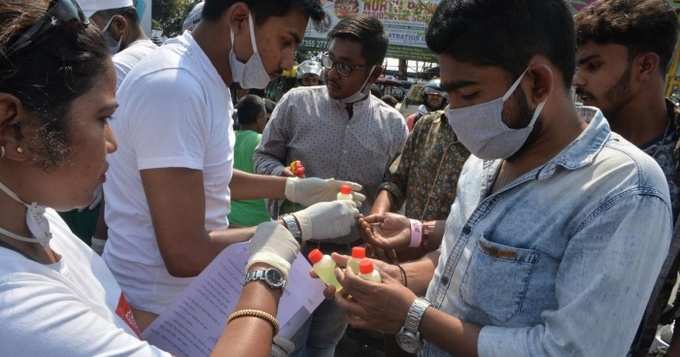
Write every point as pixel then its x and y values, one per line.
pixel 168 15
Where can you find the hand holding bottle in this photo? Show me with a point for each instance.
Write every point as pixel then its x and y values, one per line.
pixel 308 191
pixel 327 220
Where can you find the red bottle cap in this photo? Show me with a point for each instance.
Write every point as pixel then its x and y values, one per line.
pixel 365 266
pixel 359 252
pixel 300 171
pixel 345 190
pixel 315 256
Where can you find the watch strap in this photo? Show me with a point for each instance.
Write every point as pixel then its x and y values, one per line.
pixel 293 226
pixel 261 275
pixel 415 315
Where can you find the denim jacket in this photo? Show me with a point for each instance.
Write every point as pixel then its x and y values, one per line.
pixel 562 261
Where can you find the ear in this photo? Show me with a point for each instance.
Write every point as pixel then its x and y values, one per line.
pixel 119 27
pixel 11 110
pixel 237 17
pixel 542 81
pixel 646 65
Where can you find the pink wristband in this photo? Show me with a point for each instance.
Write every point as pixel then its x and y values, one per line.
pixel 416 233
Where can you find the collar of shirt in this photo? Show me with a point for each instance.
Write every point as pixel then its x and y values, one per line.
pixel 582 151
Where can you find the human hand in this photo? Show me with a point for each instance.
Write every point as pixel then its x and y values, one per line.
pixel 385 269
pixel 308 191
pixel 374 306
pixel 327 220
pixel 286 172
pixel 386 231
pixel 274 245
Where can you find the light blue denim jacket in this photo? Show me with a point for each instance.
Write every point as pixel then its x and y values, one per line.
pixel 560 262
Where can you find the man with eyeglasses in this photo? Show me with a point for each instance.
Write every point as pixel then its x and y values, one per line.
pixel 338 130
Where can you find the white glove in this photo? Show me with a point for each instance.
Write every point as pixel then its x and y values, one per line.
pixel 327 220
pixel 282 347
pixel 308 191
pixel 273 244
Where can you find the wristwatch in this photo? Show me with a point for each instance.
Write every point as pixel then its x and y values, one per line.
pixel 293 227
pixel 270 276
pixel 408 338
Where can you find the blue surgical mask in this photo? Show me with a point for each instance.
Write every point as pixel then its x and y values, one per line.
pixel 481 129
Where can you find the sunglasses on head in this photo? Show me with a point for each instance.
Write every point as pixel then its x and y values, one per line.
pixel 63 13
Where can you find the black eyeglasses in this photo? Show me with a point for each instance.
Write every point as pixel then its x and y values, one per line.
pixel 65 13
pixel 343 69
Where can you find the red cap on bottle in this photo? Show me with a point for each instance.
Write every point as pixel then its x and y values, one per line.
pixel 345 190
pixel 315 256
pixel 359 252
pixel 365 266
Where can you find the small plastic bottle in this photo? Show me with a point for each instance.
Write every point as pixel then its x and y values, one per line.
pixel 297 168
pixel 345 193
pixel 358 253
pixel 367 272
pixel 324 267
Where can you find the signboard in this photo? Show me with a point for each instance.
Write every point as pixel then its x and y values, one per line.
pixel 405 23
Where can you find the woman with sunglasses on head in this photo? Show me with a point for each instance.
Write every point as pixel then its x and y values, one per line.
pixel 57 297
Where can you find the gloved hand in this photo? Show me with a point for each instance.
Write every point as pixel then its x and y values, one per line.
pixel 273 244
pixel 282 347
pixel 308 191
pixel 327 220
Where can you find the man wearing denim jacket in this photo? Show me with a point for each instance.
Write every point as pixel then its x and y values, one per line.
pixel 559 227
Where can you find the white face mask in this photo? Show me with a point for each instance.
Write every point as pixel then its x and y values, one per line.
pixel 362 93
pixel 111 43
pixel 481 129
pixel 35 220
pixel 251 74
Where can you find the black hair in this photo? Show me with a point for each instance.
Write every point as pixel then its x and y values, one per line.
pixel 366 30
pixel 639 25
pixel 264 9
pixel 505 34
pixel 249 108
pixel 48 75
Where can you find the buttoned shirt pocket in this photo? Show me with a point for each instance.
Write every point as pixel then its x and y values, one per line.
pixel 497 278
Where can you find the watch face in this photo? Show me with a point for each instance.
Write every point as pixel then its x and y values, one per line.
pixel 408 342
pixel 275 278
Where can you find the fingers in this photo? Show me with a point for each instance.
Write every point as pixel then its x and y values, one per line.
pixel 358 197
pixel 329 292
pixel 287 173
pixel 354 285
pixel 340 260
pixel 352 308
pixel 355 186
pixel 375 218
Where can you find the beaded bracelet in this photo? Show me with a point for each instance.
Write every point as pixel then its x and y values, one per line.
pixel 255 313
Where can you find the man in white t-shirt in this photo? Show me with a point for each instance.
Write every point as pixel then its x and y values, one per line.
pixel 170 184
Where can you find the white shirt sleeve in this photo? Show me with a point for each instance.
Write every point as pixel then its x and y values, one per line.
pixel 40 317
pixel 169 124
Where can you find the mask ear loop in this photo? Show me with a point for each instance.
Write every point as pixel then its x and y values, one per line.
pixel 514 86
pixel 251 25
pixel 363 86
